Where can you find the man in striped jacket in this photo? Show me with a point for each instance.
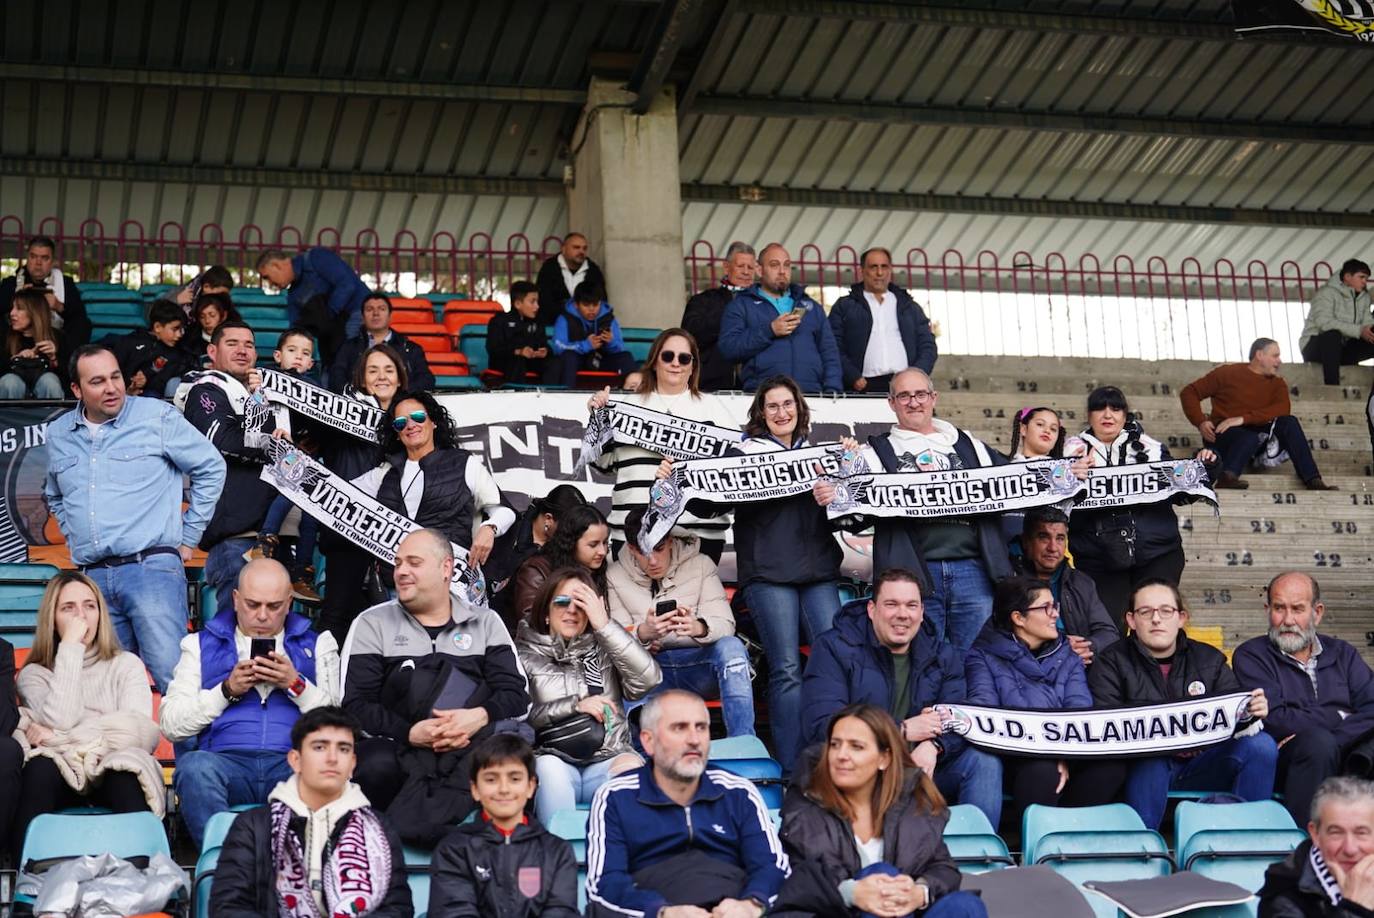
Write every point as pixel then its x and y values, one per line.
pixel 675 837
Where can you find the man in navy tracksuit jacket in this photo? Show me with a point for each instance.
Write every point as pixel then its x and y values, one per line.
pixel 676 832
pixel 774 328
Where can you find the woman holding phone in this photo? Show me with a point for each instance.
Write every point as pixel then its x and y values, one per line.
pixel 582 667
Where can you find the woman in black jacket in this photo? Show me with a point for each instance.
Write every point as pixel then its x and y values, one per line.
pixel 865 831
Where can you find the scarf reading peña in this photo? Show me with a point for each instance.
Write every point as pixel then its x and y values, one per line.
pixel 743 479
pixel 1145 483
pixel 962 492
pixel 355 418
pixel 635 425
pixel 1157 729
pixel 363 520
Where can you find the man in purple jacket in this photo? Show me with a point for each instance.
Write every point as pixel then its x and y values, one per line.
pixel 1320 691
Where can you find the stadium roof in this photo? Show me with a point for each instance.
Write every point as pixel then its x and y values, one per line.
pixel 1139 127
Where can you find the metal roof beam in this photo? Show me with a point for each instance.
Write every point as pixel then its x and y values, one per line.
pixel 675 17
pixel 1008 119
pixel 297 85
pixel 1020 207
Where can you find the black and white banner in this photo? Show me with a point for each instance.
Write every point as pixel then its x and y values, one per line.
pixel 355 418
pixel 1348 18
pixel 362 520
pixel 1158 729
pixel 635 425
pixel 1145 483
pixel 733 480
pixel 963 492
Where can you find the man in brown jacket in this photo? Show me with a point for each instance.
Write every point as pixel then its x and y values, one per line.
pixel 1250 401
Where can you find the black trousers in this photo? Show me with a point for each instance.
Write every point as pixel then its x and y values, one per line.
pixel 43 790
pixel 1114 587
pixel 1092 782
pixel 1305 761
pixel 345 573
pixel 1334 350
pixel 11 767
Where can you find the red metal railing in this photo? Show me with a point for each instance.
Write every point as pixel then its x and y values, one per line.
pixel 1051 306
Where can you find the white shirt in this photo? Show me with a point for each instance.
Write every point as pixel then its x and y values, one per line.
pixel 885 352
pixel 871 851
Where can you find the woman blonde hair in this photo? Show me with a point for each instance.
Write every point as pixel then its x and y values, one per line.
pixel 46 638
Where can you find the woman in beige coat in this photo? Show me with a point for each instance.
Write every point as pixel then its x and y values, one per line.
pixel 582 667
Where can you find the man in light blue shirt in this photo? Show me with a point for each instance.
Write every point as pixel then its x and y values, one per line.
pixel 114 483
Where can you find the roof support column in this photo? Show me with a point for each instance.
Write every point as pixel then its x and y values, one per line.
pixel 625 197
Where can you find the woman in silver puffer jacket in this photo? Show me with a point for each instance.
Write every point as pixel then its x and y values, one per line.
pixel 582 667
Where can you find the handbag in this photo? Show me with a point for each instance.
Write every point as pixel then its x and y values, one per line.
pixel 29 369
pixel 575 740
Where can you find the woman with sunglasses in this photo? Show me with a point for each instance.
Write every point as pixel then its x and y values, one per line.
pixel 1124 546
pixel 670 383
pixel 1022 660
pixel 426 476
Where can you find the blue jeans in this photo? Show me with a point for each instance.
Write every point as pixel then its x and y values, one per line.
pixel 973 777
pixel 222 565
pixel 12 387
pixel 719 670
pixel 782 614
pixel 211 782
pixel 307 532
pixel 960 602
pixel 147 601
pixel 563 786
pixel 952 905
pixel 1243 766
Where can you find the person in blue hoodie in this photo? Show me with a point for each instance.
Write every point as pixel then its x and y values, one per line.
pixel 586 336
pixel 774 328
pixel 1022 660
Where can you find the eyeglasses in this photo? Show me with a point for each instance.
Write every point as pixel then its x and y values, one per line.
pixel 683 360
pixel 780 407
pixel 1049 608
pixel 920 396
pixel 419 417
pixel 1165 613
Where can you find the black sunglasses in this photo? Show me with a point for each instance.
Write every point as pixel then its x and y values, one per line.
pixel 684 359
pixel 419 417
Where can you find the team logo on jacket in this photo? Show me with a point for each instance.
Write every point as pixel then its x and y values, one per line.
pixel 1196 688
pixel 529 880
pixel 462 641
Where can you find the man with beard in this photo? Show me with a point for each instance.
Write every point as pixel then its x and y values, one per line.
pixel 1320 691
pixel 676 839
pixel 560 275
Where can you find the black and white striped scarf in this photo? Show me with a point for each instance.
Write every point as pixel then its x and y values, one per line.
pixel 1324 875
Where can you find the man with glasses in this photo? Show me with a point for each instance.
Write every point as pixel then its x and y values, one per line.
pixel 774 328
pixel 1320 690
pixel 956 557
pixel 1157 664
pixel 879 329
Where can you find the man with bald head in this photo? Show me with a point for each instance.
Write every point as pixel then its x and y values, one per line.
pixel 773 328
pixel 956 558
pixel 426 671
pixel 1320 691
pixel 238 689
pixel 559 276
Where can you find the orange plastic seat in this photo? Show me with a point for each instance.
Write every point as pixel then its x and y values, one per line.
pixel 455 322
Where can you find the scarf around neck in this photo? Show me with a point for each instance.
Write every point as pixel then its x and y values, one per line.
pixel 355 875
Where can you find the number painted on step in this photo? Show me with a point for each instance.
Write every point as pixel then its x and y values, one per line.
pixel 1344 526
pixel 1236 559
pixel 1284 498
pixel 1326 559
pixel 1213 597
pixel 1024 386
pixel 1263 527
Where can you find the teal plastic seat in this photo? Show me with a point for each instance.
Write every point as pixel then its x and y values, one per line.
pixel 55 837
pixel 973 843
pixel 215 831
pixel 748 757
pixel 417 875
pixel 1234 842
pixel 1094 843
pixel 571 825
pixel 472 341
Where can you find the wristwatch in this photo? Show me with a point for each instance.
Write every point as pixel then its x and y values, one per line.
pixel 297 689
pixel 224 690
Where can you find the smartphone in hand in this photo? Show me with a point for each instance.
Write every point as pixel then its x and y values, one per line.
pixel 261 647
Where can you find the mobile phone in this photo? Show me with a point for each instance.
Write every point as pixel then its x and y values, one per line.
pixel 261 647
pixel 799 311
pixel 562 600
pixel 666 606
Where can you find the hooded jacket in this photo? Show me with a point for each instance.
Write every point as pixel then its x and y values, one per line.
pixel 808 355
pixel 573 333
pixel 1004 673
pixel 848 665
pixel 1343 703
pixel 783 541
pixel 245 884
pixel 553 288
pixel 1336 307
pixel 1291 890
pixel 478 871
pixel 1124 537
pixel 823 840
pixel 851 321
pixel 557 670
pixel 691 580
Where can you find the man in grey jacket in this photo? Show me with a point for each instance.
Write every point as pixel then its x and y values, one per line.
pixel 1339 330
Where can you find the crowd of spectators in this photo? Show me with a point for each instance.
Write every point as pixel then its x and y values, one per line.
pixel 404 708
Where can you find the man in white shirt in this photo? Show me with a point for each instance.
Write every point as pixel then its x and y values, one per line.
pixel 560 275
pixel 879 329
pixel 241 684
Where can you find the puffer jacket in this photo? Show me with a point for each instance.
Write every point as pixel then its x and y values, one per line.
pixel 851 321
pixel 1124 537
pixel 823 841
pixel 808 355
pixel 1002 672
pixel 1292 890
pixel 558 677
pixel 1335 306
pixel 477 871
pixel 691 580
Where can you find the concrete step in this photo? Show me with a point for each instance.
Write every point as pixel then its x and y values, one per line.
pixel 1120 372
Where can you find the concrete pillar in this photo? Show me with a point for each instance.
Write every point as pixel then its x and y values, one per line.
pixel 626 198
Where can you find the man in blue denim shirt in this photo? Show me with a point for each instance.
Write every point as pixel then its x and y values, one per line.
pixel 114 483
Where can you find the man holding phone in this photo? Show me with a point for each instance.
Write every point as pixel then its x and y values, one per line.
pixel 241 684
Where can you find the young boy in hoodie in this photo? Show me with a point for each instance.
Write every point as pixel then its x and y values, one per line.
pixel 151 359
pixel 586 337
pixel 503 862
pixel 318 847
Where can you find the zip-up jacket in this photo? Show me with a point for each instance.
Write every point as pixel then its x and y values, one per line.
pixel 386 648
pixel 573 333
pixel 849 665
pixel 1125 674
pixel 1080 608
pixel 691 579
pixel 1119 538
pixel 418 374
pixel 808 355
pixel 553 288
pixel 1292 890
pixel 702 317
pixel 320 272
pixel 851 320
pixel 446 504
pixel 244 501
pixel 141 351
pixel 1335 306
pixel 633 825
pixel 1004 673
pixel 783 541
pixel 508 332
pixel 1343 702
pixel 479 872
